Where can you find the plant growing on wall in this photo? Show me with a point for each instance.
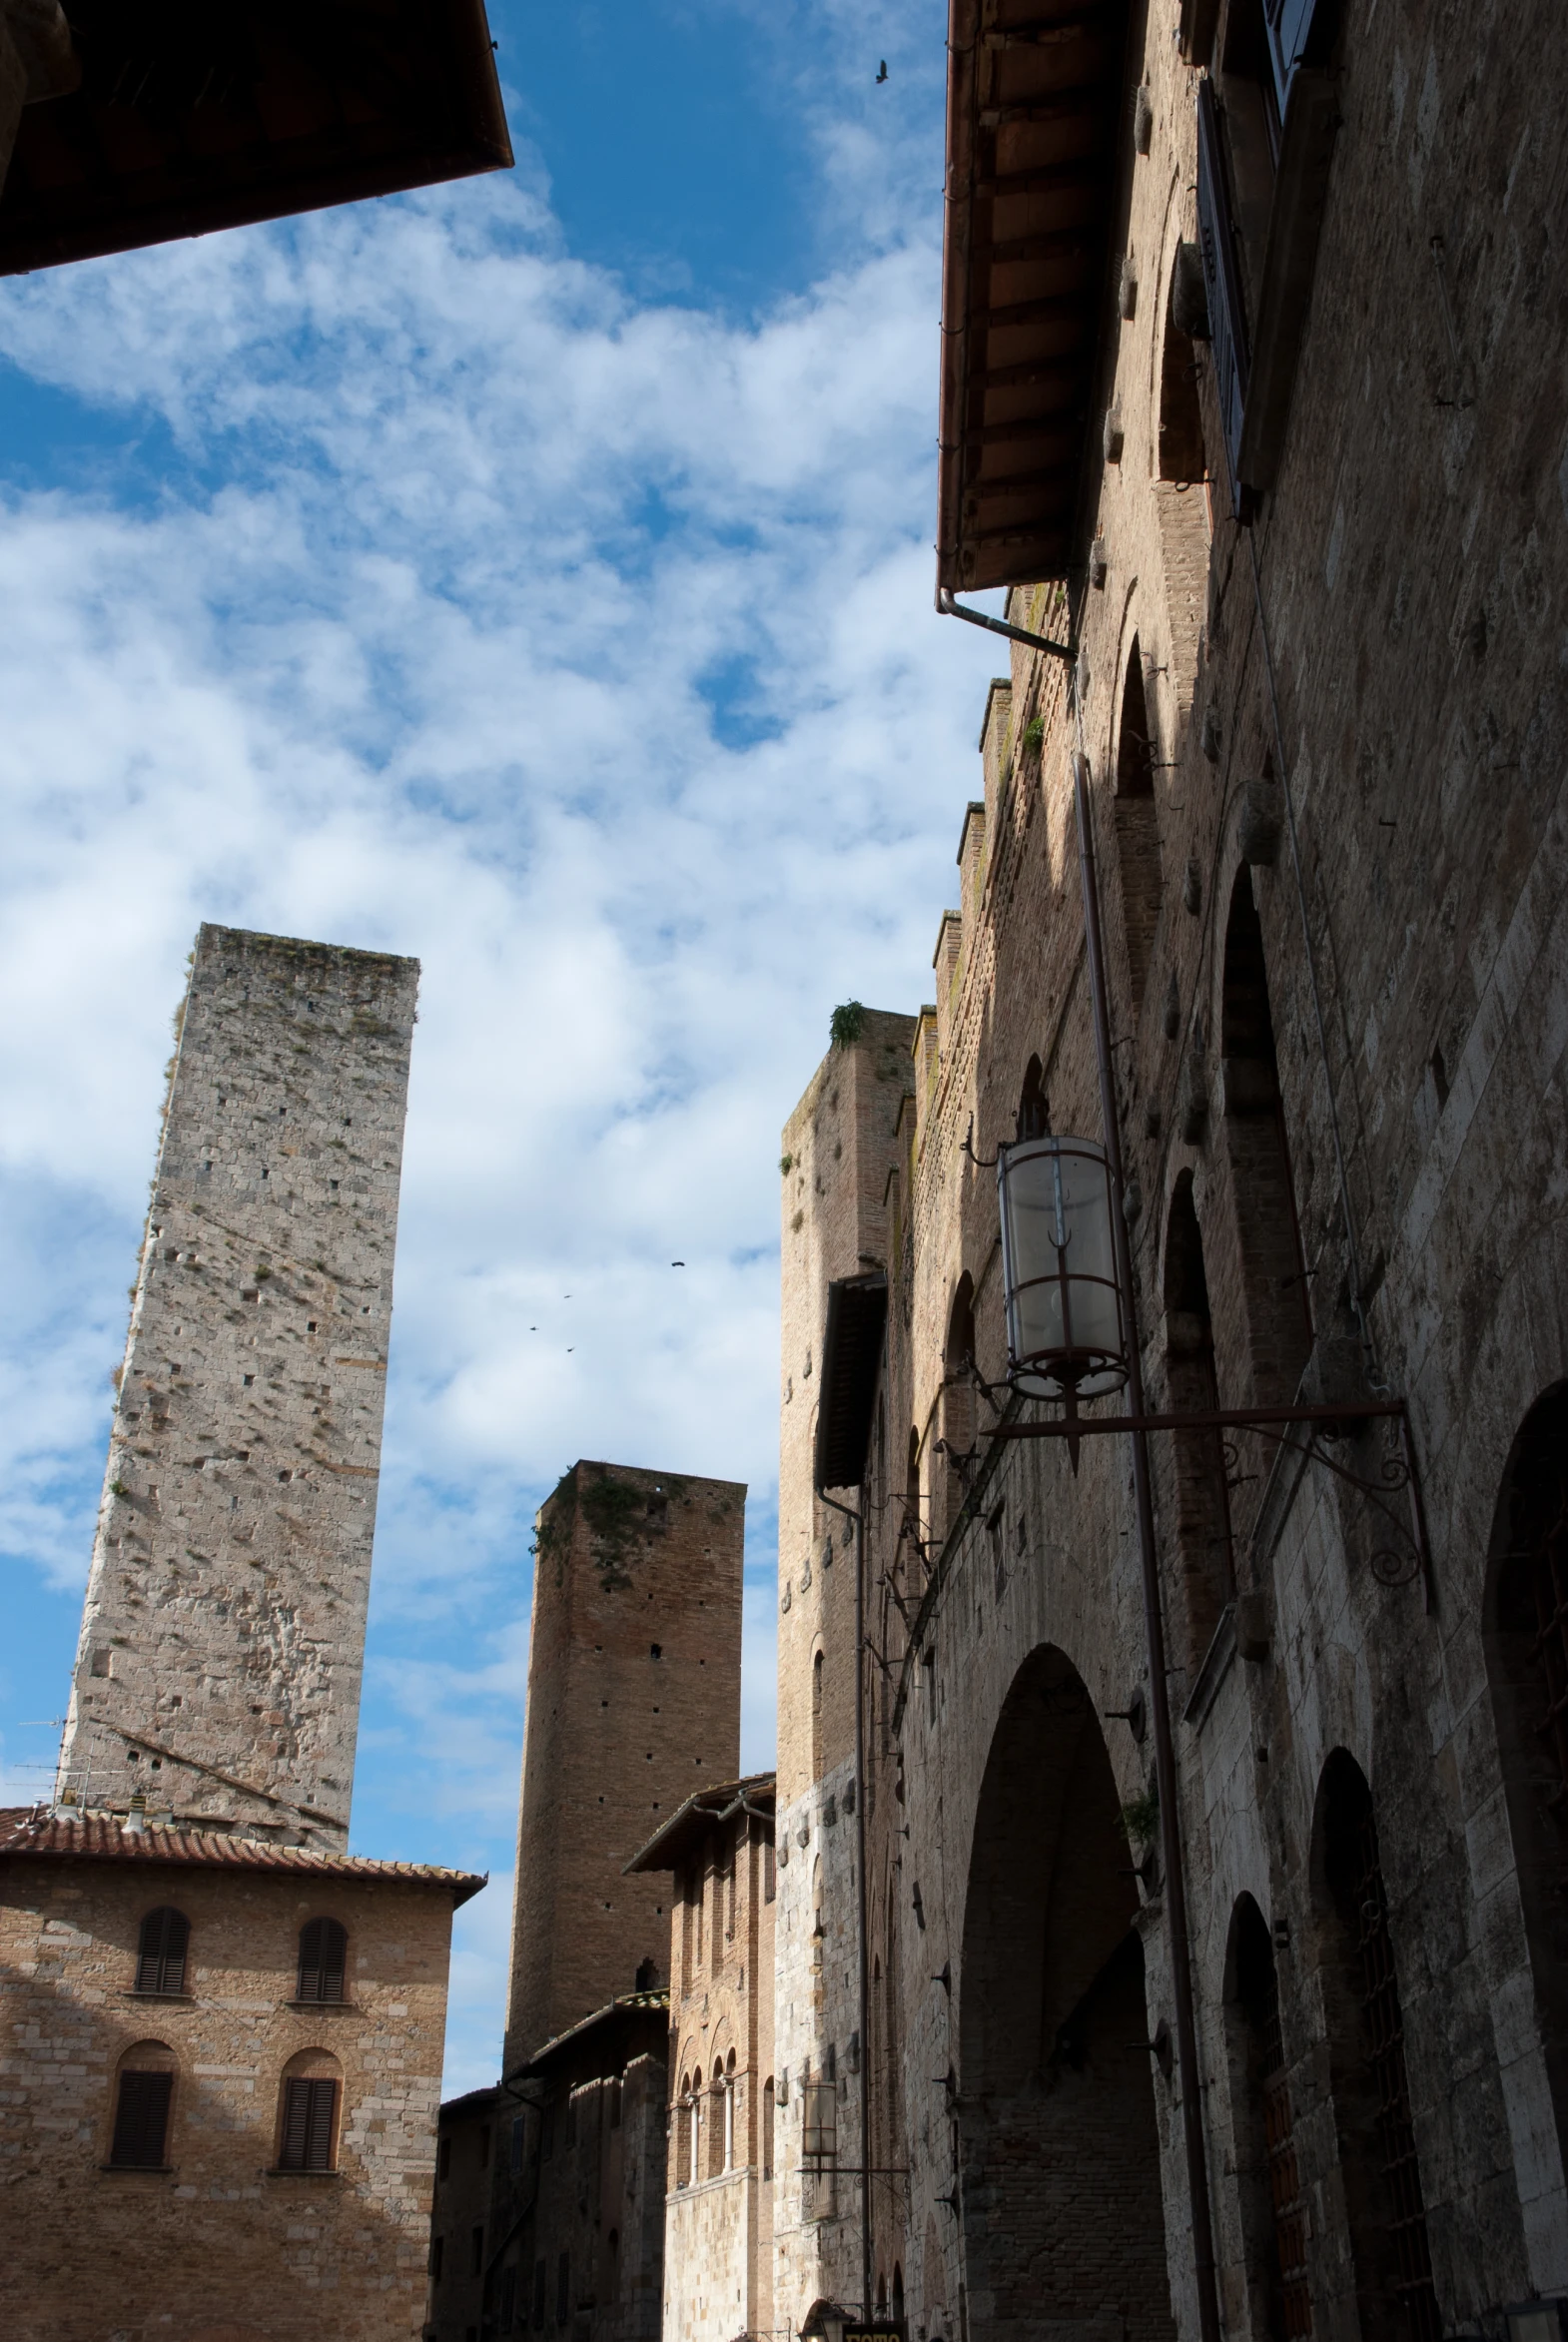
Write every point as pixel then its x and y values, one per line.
pixel 847 1024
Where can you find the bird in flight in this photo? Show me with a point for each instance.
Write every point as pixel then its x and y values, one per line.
pixel 881 69
pixel 678 1265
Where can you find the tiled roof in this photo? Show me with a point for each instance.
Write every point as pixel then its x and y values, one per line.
pixel 671 1841
pixel 39 1832
pixel 624 2003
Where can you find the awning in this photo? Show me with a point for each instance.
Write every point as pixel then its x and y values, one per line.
pixel 1040 109
pixel 192 116
pixel 851 1363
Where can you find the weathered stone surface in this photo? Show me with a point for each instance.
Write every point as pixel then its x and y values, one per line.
pixel 220 1661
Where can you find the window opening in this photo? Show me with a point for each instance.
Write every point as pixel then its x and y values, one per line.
pixel 1275 2211
pixel 1274 1282
pixel 141 2119
pixel 309 2106
pixel 161 1952
pixel 1138 830
pixel 767 2128
pixel 1203 1499
pixel 324 1960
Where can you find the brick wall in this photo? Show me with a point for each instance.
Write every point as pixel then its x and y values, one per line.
pixel 219 2240
pixel 633 1703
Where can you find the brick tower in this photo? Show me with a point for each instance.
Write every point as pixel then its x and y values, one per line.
pixel 633 1703
pixel 223 1633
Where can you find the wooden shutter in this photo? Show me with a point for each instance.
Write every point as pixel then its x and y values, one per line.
pixel 1222 283
pixel 324 1961
pixel 309 2103
pixel 141 2121
pixel 160 1949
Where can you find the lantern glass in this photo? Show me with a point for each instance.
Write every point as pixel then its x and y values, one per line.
pixel 1063 1304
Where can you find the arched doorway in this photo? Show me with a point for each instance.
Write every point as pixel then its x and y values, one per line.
pixel 1525 1627
pixel 1059 2150
pixel 1275 2221
pixel 1385 2206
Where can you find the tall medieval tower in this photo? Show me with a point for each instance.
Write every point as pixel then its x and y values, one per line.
pixel 844 1145
pixel 633 1704
pixel 218 1673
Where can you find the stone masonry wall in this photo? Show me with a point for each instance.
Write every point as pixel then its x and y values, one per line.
pixel 841 1145
pixel 718 2248
pixel 1407 624
pixel 223 1634
pixel 633 1703
pixel 220 2242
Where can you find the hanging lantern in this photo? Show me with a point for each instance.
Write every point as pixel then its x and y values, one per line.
pixel 1063 1305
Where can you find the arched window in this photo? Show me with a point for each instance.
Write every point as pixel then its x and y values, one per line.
pixel 1203 1506
pixel 1273 1273
pixel 1273 2199
pixel 143 2102
pixel 1033 1107
pixel 1525 1626
pixel 308 2110
pixel 1181 452
pixel 324 1961
pixel 816 1716
pixel 1138 829
pixel 160 1949
pixel 696 2128
pixel 958 1393
pixel 909 1544
pixel 1372 2088
pixel 729 2113
pixel 767 2128
pixel 898 2293
pixel 719 2135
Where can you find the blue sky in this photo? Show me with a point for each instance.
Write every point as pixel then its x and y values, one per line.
pixel 533 575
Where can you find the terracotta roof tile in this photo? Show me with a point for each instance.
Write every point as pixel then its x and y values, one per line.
pixel 32 1832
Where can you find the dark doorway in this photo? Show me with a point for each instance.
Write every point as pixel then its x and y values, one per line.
pixel 1525 1623
pixel 1274 2217
pixel 1138 829
pixel 1372 2088
pixel 1060 2155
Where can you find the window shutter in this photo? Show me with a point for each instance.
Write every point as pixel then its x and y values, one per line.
pixel 296 2125
pixel 319 2138
pixel 141 2122
pixel 160 1949
pixel 324 1961
pixel 1226 319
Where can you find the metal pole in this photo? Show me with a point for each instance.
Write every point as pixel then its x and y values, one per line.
pixel 1158 1698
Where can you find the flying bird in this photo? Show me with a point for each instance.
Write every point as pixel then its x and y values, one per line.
pixel 881 69
pixel 678 1265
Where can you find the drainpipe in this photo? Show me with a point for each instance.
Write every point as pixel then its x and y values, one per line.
pixel 1154 1623
pixel 851 1514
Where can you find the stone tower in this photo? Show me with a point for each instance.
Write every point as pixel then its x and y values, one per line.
pixel 633 1703
pixel 223 1634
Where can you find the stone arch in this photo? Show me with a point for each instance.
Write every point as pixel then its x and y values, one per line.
pixel 1525 1636
pixel 1273 1268
pixel 1203 1506
pixel 1137 828
pixel 1384 2211
pixel 1269 2195
pixel 1051 2001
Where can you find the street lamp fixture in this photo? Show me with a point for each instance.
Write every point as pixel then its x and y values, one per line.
pixel 1066 1336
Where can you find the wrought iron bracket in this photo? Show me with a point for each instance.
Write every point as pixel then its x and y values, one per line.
pixel 1399 1563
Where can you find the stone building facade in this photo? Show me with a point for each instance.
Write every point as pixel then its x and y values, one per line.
pixel 633 1701
pixel 718 1852
pixel 218 1674
pixel 465 2142
pixel 216 2114
pixel 1315 702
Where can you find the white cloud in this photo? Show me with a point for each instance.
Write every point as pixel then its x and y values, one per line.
pixel 584 648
